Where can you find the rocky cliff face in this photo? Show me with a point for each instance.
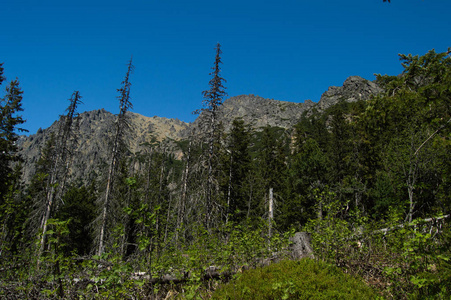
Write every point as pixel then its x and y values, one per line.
pixel 94 140
pixel 97 127
pixel 259 112
pixel 354 88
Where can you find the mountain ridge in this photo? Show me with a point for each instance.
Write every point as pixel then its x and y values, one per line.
pixel 96 126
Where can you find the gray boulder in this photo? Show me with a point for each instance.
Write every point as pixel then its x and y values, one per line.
pixel 301 245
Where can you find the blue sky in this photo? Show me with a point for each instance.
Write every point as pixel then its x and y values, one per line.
pixel 285 50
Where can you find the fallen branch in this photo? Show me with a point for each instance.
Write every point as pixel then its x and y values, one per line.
pixel 385 230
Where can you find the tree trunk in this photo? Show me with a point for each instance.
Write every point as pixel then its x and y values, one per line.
pixel 270 212
pixel 182 206
pixel 109 185
pixel 229 189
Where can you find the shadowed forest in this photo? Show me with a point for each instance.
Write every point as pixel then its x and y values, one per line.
pixel 369 181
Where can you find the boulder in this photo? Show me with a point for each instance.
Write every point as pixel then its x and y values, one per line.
pixel 301 245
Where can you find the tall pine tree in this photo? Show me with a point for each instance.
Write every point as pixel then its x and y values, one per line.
pixel 60 160
pixel 213 98
pixel 121 127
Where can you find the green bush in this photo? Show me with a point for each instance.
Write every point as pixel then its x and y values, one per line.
pixel 302 279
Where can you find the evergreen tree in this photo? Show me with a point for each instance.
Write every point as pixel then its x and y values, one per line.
pixel 60 158
pixel 2 70
pixel 408 127
pixel 237 168
pixel 14 208
pixel 309 171
pixel 10 106
pixel 117 152
pixel 213 98
pixel 271 169
pixel 78 207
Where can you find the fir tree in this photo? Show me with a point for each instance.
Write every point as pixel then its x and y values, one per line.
pixel 121 127
pixel 213 98
pixel 60 156
pixel 13 208
pixel 238 168
pixel 10 105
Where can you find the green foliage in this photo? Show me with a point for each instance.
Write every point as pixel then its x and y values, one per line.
pixel 303 279
pixel 14 208
pixel 10 120
pixel 214 96
pixel 354 176
pixel 79 207
pixel 420 260
pixel 410 259
pixel 236 167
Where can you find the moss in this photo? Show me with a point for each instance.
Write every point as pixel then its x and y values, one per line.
pixel 303 279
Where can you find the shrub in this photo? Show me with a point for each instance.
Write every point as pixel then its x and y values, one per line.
pixel 302 279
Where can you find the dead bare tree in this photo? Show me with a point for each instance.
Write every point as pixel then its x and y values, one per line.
pixel 61 157
pixel 121 126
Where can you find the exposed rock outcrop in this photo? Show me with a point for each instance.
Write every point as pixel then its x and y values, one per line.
pixel 259 112
pixel 97 127
pixel 94 139
pixel 354 88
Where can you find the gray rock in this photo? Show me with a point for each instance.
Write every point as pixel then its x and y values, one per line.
pixel 301 245
pixel 97 127
pixel 94 140
pixel 257 112
pixel 354 88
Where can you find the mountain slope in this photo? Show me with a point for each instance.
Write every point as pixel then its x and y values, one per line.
pixel 97 127
pixel 96 130
pixel 260 112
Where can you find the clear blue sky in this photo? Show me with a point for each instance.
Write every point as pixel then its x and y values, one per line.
pixel 289 50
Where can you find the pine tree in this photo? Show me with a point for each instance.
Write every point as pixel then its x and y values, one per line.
pixel 212 101
pixel 13 208
pixel 60 157
pixel 10 105
pixel 237 170
pixel 121 127
pixel 2 78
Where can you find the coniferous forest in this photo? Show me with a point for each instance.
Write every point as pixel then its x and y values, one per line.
pixel 369 181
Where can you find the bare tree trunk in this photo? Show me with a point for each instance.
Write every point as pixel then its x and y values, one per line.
pixel 210 171
pixel 60 166
pixel 121 125
pixel 149 173
pixel 320 209
pixel 167 221
pixel 270 212
pixel 106 203
pixel 48 209
pixel 229 189
pixel 411 181
pixel 160 189
pixel 250 200
pixel 182 206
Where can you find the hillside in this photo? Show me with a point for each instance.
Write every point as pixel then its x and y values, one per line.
pixel 96 126
pixel 96 129
pixel 364 180
pixel 260 112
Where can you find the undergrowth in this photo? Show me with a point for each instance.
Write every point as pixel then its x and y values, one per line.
pixel 302 279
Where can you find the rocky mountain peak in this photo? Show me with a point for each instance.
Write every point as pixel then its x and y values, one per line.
pixel 97 126
pixel 258 112
pixel 354 88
